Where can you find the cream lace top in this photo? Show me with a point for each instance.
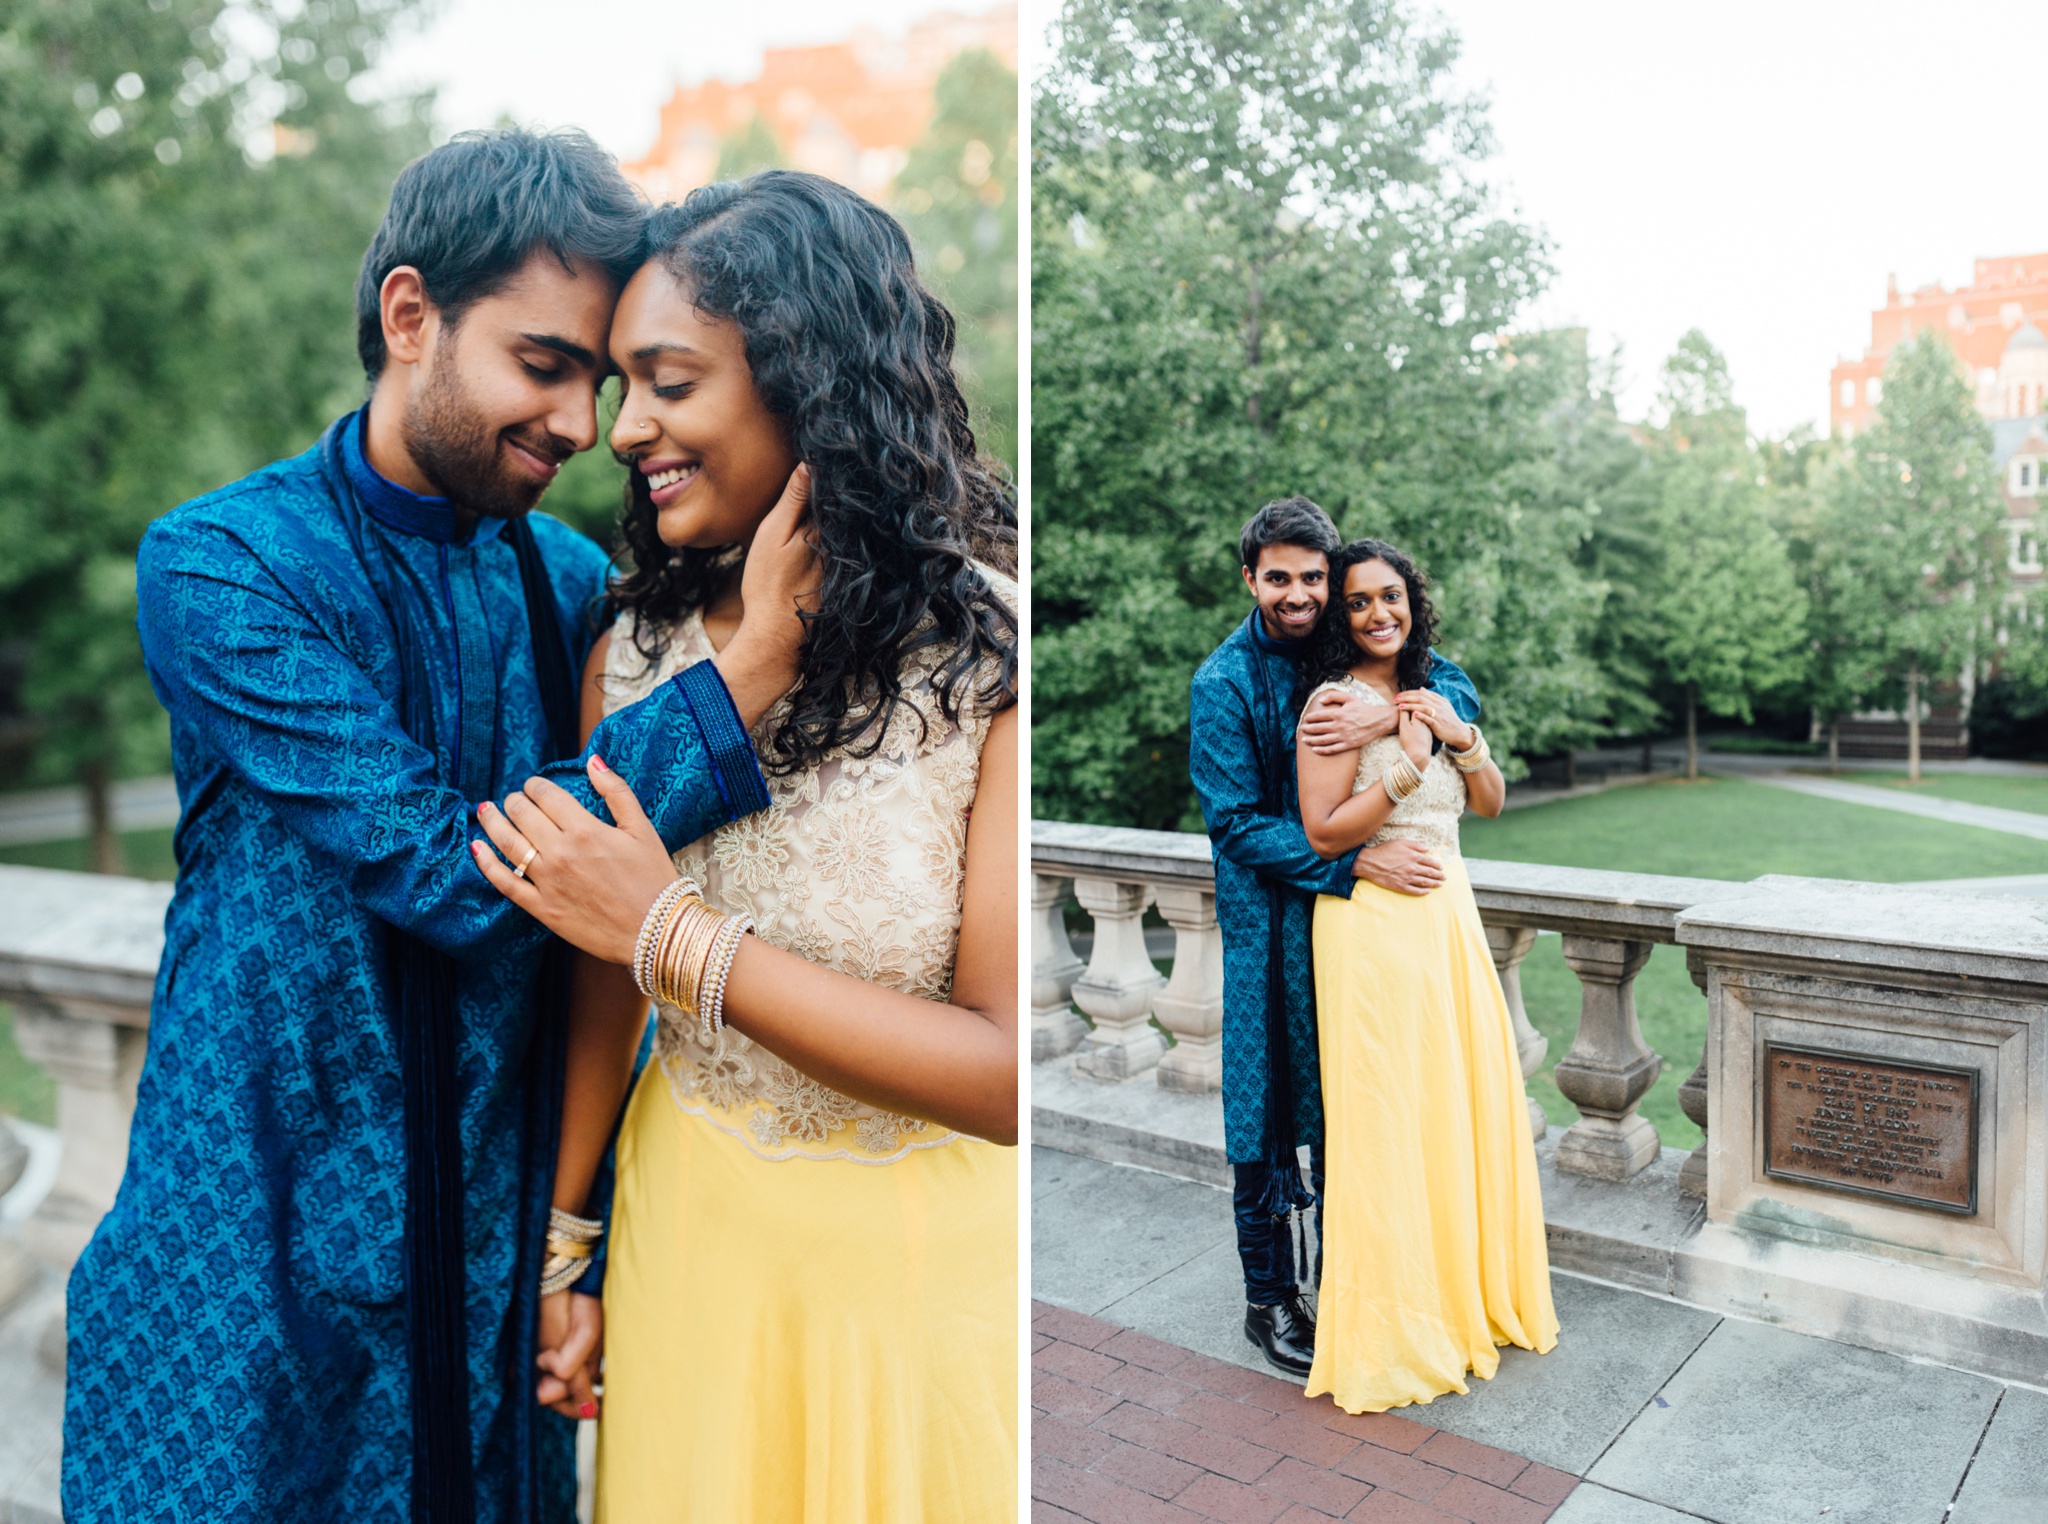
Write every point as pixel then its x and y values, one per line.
pixel 1430 814
pixel 859 864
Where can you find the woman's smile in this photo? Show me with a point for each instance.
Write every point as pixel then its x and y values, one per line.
pixel 666 479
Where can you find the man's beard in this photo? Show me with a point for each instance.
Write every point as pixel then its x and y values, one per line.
pixel 457 450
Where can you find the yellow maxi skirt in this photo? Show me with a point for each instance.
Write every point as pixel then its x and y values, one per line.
pixel 1433 1248
pixel 809 1341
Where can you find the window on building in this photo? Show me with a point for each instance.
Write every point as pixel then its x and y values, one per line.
pixel 1873 391
pixel 1848 394
pixel 2026 475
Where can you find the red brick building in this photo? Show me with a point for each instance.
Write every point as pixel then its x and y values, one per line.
pixel 1994 325
pixel 848 110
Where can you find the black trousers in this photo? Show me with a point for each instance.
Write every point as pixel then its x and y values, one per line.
pixel 1265 1244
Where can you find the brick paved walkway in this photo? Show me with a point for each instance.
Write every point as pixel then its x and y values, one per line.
pixel 1126 1429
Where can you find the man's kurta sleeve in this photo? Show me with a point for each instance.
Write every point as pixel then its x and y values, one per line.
pixel 274 700
pixel 1449 679
pixel 1223 764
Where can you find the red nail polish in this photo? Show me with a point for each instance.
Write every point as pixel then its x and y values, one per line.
pixel 588 1410
pixel 598 762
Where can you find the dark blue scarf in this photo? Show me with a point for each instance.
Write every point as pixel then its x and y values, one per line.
pixel 444 1486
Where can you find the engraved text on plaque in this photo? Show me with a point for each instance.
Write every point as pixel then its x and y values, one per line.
pixel 1905 1132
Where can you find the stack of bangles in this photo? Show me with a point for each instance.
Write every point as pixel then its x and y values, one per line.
pixel 1473 757
pixel 685 953
pixel 1404 777
pixel 571 1242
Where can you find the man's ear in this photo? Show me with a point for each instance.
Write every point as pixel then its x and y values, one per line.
pixel 1250 582
pixel 402 301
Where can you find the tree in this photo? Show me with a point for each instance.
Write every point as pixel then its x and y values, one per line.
pixel 1727 616
pixel 956 196
pixel 1264 263
pixel 186 188
pixel 745 150
pixel 1920 531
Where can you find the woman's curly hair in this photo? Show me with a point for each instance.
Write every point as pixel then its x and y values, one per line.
pixel 855 358
pixel 1331 650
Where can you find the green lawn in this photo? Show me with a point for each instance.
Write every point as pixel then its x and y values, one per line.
pixel 25 1091
pixel 1732 828
pixel 1723 828
pixel 148 853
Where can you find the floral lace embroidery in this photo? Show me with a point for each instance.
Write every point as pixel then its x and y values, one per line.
pixel 858 864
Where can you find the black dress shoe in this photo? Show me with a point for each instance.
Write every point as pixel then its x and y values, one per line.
pixel 1283 1333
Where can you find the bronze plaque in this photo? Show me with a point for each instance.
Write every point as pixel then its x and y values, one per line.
pixel 1903 1132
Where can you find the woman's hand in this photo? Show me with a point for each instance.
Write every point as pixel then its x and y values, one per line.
pixel 1414 734
pixel 1435 711
pixel 778 584
pixel 571 1342
pixel 589 883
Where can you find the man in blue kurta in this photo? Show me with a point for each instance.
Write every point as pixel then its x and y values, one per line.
pixel 1241 758
pixel 314 1298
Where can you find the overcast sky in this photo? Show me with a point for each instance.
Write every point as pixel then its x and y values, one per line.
pixel 1755 168
pixel 607 65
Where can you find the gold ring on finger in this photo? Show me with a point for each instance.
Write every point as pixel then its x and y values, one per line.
pixel 526 862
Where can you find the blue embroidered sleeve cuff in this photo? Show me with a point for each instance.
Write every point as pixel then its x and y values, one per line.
pixel 734 767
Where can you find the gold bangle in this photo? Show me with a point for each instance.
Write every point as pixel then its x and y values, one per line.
pixel 1475 756
pixel 1402 779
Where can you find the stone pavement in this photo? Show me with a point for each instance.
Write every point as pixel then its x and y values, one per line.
pixel 1657 1412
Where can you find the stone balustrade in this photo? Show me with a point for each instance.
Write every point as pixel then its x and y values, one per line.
pixel 78 959
pixel 1873 1086
pixel 1609 921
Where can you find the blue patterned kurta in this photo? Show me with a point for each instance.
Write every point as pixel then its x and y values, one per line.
pixel 1227 731
pixel 238 1345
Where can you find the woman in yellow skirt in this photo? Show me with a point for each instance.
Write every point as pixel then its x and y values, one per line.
pixel 810 1303
pixel 1433 1247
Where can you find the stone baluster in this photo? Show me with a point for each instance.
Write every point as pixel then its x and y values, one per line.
pixel 96 1064
pixel 1191 1005
pixel 1692 1098
pixel 17 1269
pixel 1510 945
pixel 1055 1028
pixel 1609 1068
pixel 1117 987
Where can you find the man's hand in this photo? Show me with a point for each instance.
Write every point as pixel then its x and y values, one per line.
pixel 1341 722
pixel 1401 865
pixel 571 1343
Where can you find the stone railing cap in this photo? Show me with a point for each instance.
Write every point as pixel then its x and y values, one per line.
pixel 1886 925
pixel 1122 852
pixel 1590 900
pixel 79 933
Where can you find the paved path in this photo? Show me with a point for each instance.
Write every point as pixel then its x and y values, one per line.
pixel 1951 811
pixel 59 814
pixel 1661 1413
pixel 1128 1429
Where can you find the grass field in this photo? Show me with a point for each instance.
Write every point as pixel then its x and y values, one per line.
pixel 25 1091
pixel 1734 829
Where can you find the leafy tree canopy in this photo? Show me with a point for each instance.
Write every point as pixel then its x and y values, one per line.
pixel 1264 263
